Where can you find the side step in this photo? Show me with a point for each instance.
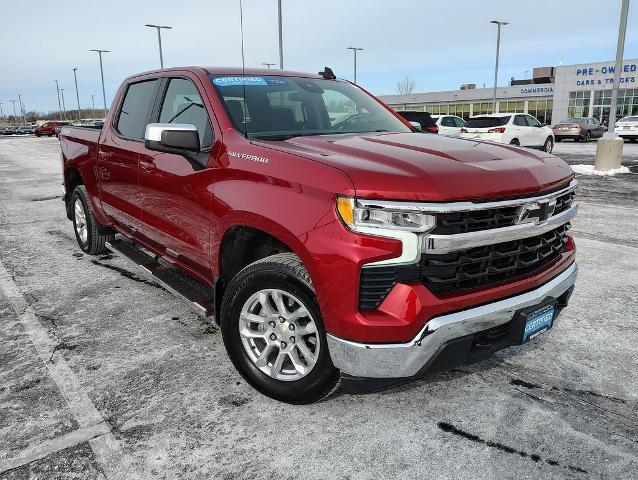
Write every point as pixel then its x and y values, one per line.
pixel 201 297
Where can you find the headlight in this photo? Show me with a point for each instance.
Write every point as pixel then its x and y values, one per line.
pixel 355 215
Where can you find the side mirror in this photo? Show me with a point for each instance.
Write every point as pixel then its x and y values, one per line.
pixel 178 138
pixel 417 126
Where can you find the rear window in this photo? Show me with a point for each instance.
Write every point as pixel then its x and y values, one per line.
pixel 629 119
pixel 136 109
pixel 487 122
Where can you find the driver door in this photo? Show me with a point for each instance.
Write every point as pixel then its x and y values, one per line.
pixel 175 201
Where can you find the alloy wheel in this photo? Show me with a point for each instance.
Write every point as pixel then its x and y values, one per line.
pixel 279 334
pixel 80 221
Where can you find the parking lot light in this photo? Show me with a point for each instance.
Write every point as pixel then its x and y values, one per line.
pixel 499 24
pixel 57 86
pixel 100 52
pixel 63 107
pixel 77 93
pixel 354 50
pixel 159 39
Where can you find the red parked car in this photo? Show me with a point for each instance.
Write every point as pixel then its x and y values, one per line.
pixel 325 236
pixel 48 128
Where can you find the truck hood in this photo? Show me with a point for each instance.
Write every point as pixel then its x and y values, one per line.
pixel 428 167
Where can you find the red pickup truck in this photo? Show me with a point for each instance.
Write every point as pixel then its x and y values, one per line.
pixel 325 235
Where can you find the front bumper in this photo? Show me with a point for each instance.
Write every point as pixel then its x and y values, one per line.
pixel 401 360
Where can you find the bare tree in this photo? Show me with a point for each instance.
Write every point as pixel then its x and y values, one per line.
pixel 405 86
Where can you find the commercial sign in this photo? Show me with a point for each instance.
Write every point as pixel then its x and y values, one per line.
pixel 604 75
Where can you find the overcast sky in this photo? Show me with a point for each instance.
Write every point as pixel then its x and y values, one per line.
pixel 438 43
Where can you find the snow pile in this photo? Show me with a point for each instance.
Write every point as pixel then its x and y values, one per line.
pixel 589 170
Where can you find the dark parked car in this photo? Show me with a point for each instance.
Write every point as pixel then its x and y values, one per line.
pixel 428 124
pixel 48 128
pixel 579 129
pixel 8 130
pixel 26 130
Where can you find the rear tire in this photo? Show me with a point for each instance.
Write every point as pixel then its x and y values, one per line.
pixel 587 137
pixel 86 227
pixel 284 353
pixel 515 142
pixel 37 134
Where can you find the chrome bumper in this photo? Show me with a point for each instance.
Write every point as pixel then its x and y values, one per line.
pixel 400 360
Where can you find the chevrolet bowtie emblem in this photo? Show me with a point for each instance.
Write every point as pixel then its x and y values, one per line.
pixel 537 212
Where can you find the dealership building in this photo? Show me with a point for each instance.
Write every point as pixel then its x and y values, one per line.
pixel 551 95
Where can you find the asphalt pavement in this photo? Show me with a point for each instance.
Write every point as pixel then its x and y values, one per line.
pixel 105 375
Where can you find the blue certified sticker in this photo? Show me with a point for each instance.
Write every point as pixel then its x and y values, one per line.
pixel 239 81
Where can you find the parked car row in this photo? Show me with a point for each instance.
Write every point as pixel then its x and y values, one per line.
pixel 24 130
pixel 519 128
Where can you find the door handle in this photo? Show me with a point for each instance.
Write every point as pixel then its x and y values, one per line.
pixel 104 155
pixel 148 166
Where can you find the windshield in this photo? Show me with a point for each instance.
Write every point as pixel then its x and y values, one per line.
pixel 487 122
pixel 273 107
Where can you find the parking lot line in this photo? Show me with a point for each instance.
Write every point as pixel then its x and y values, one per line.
pixel 107 450
pixel 44 449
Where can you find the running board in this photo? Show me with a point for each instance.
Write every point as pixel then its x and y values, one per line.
pixel 200 297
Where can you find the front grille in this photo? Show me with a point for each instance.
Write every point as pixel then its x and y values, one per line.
pixel 472 221
pixel 467 269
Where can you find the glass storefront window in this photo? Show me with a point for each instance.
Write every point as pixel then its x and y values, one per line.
pixel 578 105
pixel 482 108
pixel 511 107
pixel 460 110
pixel 541 109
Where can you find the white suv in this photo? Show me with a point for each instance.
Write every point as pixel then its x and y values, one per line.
pixel 449 125
pixel 512 128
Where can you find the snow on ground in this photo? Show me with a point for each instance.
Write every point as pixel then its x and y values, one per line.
pixel 589 170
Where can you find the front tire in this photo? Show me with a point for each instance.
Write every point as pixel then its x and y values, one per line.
pixel 273 331
pixel 548 146
pixel 87 229
pixel 587 137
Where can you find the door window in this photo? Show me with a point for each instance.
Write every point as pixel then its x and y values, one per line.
pixel 136 109
pixel 183 104
pixel 448 122
pixel 519 120
pixel 532 122
pixel 459 122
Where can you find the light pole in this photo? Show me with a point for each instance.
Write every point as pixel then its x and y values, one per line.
pixel 24 119
pixel 77 93
pixel 15 115
pixel 281 37
pixel 2 114
pixel 354 50
pixel 268 64
pixel 63 107
pixel 499 24
pixel 57 86
pixel 93 103
pixel 620 48
pixel 100 52
pixel 159 39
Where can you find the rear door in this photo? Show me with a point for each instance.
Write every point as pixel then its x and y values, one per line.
pixel 118 154
pixel 538 134
pixel 175 200
pixel 448 126
pixel 523 131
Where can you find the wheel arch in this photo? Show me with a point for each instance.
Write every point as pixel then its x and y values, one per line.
pixel 245 240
